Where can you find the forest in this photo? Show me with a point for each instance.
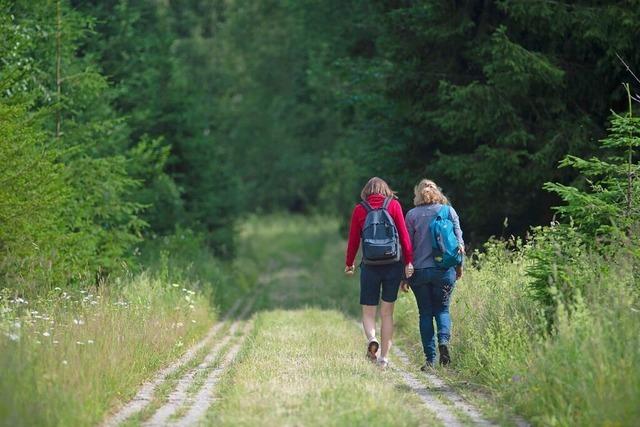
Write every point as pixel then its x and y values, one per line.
pixel 138 138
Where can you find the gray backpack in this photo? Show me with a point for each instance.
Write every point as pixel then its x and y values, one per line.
pixel 380 242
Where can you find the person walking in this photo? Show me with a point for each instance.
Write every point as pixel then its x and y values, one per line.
pixel 432 285
pixel 379 223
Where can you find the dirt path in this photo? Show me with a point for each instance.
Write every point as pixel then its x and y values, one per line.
pixel 146 393
pixel 179 398
pixel 437 395
pixel 304 364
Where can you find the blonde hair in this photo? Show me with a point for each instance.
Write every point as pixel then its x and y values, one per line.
pixel 427 192
pixel 376 186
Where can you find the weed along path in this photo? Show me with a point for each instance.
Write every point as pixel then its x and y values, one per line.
pixel 290 353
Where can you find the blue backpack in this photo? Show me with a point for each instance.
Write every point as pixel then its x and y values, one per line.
pixel 380 242
pixel 446 252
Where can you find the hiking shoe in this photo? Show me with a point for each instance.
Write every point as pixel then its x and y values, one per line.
pixel 445 358
pixel 372 350
pixel 383 363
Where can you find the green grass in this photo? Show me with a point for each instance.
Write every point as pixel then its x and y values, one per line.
pixel 68 357
pixel 307 367
pixel 581 374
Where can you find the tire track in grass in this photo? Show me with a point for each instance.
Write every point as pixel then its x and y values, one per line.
pixel 205 397
pixel 447 393
pixel 146 392
pixel 429 400
pixel 180 396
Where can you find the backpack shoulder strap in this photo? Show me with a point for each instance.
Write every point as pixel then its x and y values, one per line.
pixel 366 206
pixel 444 212
pixel 387 202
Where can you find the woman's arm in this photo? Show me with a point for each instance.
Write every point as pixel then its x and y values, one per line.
pixel 411 227
pixel 455 219
pixel 407 249
pixel 357 218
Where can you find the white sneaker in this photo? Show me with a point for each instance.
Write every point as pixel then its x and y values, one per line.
pixel 383 363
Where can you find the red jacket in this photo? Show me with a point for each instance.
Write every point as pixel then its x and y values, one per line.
pixel 357 221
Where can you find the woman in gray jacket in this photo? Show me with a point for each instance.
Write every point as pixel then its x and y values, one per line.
pixel 432 285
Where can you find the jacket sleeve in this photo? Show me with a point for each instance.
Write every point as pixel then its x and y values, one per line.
pixel 354 235
pixel 455 219
pixel 411 227
pixel 405 242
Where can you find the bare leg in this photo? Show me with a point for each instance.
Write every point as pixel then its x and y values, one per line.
pixel 386 314
pixel 369 320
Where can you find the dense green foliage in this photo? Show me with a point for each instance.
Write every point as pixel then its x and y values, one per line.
pixel 105 137
pixel 151 116
pixel 483 96
pixel 601 222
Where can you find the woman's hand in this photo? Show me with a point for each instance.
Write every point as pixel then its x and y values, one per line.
pixel 349 270
pixel 408 270
pixel 461 249
pixel 404 286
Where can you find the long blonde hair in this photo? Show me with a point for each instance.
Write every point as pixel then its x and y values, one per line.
pixel 427 192
pixel 376 186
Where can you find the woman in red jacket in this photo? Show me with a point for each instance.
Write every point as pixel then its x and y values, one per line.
pixel 377 278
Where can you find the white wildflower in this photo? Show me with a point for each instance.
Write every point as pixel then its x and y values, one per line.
pixel 179 324
pixel 193 320
pixel 79 343
pixel 90 341
pixel 64 362
pixel 175 285
pixel 191 306
pixel 78 321
pixel 13 336
pixel 46 334
pixel 56 342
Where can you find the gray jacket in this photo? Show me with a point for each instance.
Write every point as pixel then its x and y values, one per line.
pixel 418 220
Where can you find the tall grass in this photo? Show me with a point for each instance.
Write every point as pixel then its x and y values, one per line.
pixel 583 371
pixel 68 356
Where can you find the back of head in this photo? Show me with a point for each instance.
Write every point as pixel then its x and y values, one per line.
pixel 427 193
pixel 376 186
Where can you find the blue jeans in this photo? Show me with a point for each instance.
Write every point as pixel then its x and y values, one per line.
pixel 432 288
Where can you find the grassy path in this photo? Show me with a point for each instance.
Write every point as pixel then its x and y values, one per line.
pixel 307 367
pixel 291 354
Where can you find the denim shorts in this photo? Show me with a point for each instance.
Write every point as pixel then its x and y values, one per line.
pixel 376 278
